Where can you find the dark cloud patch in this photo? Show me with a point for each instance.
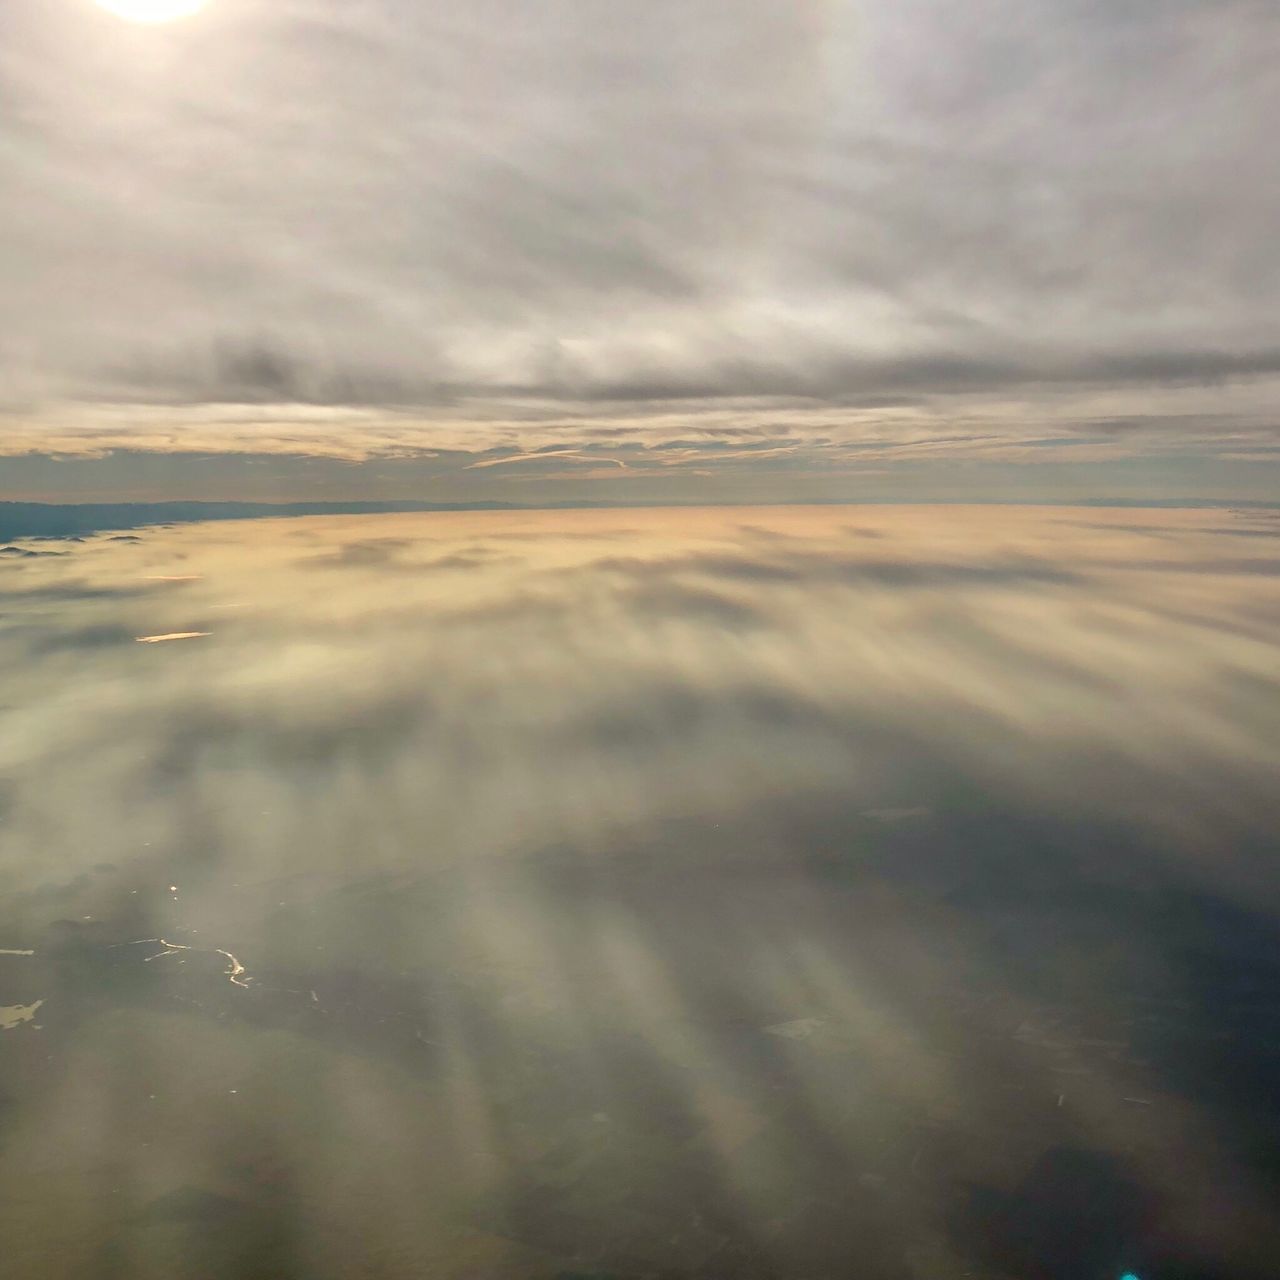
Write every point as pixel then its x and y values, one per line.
pixel 682 603
pixel 28 519
pixel 402 555
pixel 367 553
pixel 671 712
pixel 1175 531
pixel 205 737
pixel 38 641
pixel 472 558
pixel 1261 566
pixel 1244 533
pixel 535 610
pixel 836 377
pixel 816 568
pixel 78 590
pixel 24 553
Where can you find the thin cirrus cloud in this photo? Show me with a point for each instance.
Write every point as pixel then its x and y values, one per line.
pixel 364 229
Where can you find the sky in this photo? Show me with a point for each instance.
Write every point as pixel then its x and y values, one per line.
pixel 727 250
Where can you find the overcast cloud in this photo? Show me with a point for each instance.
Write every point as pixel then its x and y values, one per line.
pixel 417 214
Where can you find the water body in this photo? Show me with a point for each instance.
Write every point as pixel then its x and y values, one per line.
pixel 732 893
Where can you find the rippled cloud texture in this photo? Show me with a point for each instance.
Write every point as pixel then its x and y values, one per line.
pixel 735 240
pixel 519 894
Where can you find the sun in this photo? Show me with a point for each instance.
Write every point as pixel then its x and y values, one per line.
pixel 152 10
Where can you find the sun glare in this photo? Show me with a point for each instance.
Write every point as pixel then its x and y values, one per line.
pixel 152 10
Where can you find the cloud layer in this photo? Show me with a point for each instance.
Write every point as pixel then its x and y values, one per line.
pixel 378 206
pixel 740 897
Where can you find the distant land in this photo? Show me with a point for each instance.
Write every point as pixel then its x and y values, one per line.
pixel 70 520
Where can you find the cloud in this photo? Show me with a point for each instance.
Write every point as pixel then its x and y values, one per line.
pixel 825 567
pixel 662 599
pixel 510 864
pixel 359 228
pixel 24 553
pixel 1049 440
